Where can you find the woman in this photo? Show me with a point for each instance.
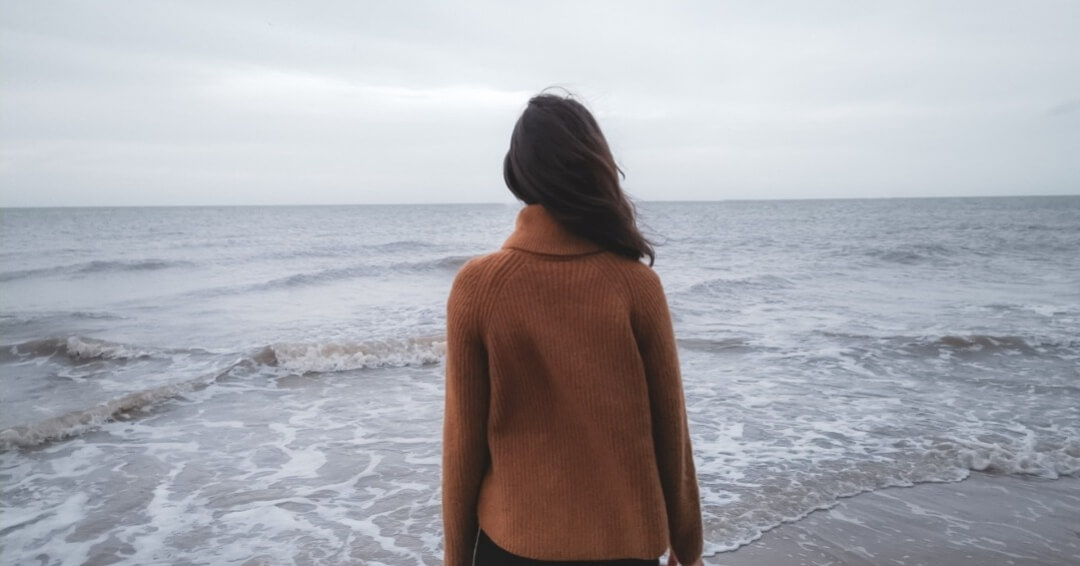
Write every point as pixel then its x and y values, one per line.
pixel 565 436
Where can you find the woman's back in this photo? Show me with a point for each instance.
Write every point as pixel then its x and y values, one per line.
pixel 584 431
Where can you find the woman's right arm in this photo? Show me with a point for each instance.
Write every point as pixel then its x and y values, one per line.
pixel 671 435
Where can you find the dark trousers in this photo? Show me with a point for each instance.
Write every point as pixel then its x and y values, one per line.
pixel 489 554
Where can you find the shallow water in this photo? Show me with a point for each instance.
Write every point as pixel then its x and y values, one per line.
pixel 209 385
pixel 986 519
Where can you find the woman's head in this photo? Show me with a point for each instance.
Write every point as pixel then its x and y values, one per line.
pixel 559 158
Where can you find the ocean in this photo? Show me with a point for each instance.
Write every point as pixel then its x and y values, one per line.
pixel 263 385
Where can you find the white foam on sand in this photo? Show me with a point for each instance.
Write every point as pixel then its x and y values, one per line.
pixel 338 356
pixel 986 519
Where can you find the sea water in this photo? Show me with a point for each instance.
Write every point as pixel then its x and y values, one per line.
pixel 264 385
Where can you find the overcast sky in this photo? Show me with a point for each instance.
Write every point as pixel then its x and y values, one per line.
pixel 145 103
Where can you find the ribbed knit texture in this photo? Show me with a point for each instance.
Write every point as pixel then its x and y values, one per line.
pixel 565 433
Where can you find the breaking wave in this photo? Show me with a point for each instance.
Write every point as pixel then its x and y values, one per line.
pixel 984 342
pixel 332 357
pixel 986 345
pixel 77 422
pixel 74 347
pixel 293 358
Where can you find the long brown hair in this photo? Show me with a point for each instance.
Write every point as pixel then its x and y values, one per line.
pixel 559 158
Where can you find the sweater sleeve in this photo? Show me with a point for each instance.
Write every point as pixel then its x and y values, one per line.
pixel 671 435
pixel 465 450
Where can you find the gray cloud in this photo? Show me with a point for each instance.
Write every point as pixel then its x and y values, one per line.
pixel 109 103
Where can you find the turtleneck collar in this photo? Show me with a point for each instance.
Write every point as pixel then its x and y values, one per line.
pixel 537 231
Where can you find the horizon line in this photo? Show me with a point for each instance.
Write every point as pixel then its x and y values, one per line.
pixel 474 203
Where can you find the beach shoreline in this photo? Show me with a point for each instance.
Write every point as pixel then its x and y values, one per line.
pixel 985 519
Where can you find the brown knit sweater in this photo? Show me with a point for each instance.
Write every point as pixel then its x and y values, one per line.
pixel 565 434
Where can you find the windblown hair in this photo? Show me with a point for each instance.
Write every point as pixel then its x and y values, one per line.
pixel 559 158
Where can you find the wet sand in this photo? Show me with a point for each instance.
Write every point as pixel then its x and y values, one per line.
pixel 984 520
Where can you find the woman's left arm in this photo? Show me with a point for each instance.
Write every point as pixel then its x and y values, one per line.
pixel 465 451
